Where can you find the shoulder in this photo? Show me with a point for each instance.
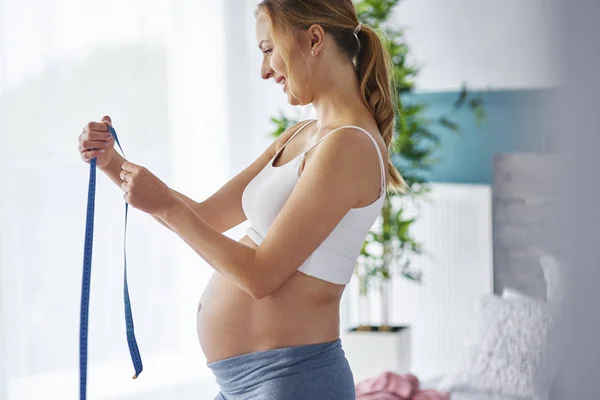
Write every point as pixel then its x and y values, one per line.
pixel 345 155
pixel 350 146
pixel 350 155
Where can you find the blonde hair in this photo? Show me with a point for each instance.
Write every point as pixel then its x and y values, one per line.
pixel 373 65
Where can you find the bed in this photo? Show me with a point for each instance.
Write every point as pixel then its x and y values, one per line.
pixel 516 350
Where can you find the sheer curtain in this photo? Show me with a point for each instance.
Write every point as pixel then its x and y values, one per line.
pixel 157 68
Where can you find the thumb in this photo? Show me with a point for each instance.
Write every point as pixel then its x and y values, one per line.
pixel 106 119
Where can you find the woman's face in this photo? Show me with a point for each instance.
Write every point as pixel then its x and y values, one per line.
pixel 295 84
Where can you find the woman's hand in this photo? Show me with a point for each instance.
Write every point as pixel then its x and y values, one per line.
pixel 144 191
pixel 96 142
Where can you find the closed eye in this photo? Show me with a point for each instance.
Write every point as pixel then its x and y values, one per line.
pixel 267 51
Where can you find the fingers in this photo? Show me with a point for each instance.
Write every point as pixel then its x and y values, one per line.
pixel 95 134
pixel 95 126
pixel 90 154
pixel 106 120
pixel 125 187
pixel 130 167
pixel 95 139
pixel 85 145
pixel 124 175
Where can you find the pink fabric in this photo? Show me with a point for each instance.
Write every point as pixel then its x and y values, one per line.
pixel 391 386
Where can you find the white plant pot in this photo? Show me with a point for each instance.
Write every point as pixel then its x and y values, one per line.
pixel 370 353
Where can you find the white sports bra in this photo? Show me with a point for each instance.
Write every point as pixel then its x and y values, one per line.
pixel 334 260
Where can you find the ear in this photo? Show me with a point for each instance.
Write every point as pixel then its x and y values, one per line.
pixel 316 35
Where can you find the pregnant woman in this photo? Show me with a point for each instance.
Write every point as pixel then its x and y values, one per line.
pixel 268 321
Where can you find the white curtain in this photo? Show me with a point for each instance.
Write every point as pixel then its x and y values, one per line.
pixel 157 67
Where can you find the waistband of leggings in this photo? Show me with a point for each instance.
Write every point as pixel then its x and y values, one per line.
pixel 251 368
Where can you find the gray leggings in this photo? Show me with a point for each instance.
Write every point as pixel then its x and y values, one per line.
pixel 315 371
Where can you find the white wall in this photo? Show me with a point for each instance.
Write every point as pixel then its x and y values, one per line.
pixel 486 43
pixel 501 44
pixel 143 63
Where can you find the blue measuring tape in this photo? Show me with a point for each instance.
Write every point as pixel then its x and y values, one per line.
pixel 85 286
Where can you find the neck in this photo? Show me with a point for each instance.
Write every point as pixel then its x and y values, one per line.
pixel 339 98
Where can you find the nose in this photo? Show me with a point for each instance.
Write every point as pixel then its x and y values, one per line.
pixel 265 70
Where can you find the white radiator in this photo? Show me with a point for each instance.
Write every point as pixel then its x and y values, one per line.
pixel 455 228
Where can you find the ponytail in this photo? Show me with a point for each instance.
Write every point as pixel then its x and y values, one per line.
pixel 373 67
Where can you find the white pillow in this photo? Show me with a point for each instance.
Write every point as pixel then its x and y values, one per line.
pixel 555 280
pixel 555 277
pixel 509 293
pixel 507 355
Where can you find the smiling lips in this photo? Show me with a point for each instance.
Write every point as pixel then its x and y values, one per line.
pixel 281 81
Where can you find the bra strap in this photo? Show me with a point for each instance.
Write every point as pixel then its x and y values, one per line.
pixel 294 135
pixel 381 164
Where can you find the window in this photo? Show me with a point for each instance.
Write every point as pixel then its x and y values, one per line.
pixel 64 63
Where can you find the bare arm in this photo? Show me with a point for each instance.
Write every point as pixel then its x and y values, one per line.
pixel 222 210
pixel 96 142
pixel 113 169
pixel 330 185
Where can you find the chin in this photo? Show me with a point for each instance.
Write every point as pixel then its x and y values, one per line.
pixel 302 97
pixel 294 101
pixel 297 101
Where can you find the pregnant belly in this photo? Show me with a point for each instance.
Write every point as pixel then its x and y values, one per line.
pixel 224 319
pixel 230 322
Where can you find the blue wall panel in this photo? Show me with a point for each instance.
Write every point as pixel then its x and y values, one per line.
pixel 513 125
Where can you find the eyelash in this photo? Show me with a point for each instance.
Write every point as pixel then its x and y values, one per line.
pixel 267 51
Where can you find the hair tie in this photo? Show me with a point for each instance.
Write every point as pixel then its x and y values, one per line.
pixel 355 32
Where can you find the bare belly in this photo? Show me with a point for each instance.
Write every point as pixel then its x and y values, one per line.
pixel 304 310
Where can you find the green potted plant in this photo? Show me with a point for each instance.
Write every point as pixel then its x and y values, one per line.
pixel 389 249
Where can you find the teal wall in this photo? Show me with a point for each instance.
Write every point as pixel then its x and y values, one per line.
pixel 514 124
